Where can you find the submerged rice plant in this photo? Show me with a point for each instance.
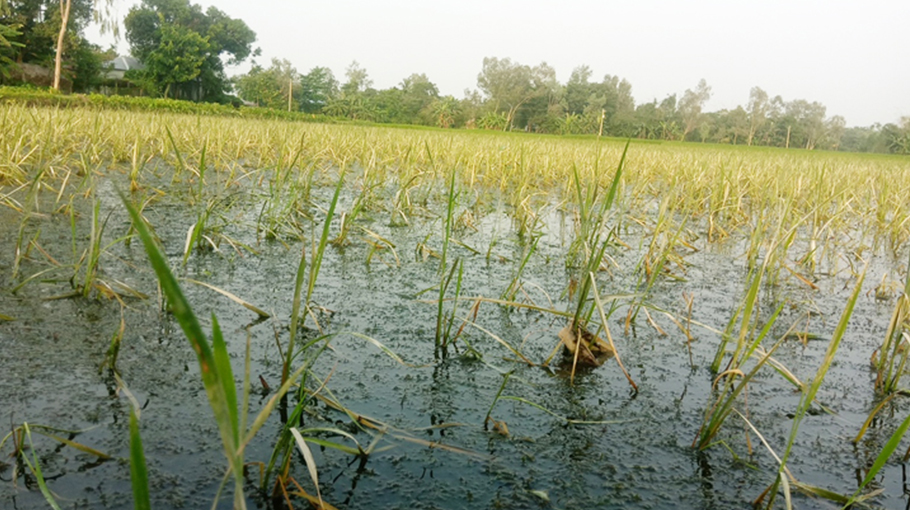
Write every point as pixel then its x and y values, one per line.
pixel 527 241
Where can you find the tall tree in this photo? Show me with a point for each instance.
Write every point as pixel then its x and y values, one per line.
pixel 578 90
pixel 317 88
pixel 8 46
pixel 178 58
pixel 65 6
pixel 49 32
pixel 358 80
pixel 758 111
pixel 272 87
pixel 834 131
pixel 101 13
pixel 546 102
pixel 509 85
pixel 690 106
pixel 418 93
pixel 228 40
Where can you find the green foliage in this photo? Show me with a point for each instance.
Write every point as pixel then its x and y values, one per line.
pixel 8 45
pixel 39 97
pixel 28 34
pixel 138 469
pixel 509 85
pixel 317 87
pixel 497 121
pixel 183 47
pixel 178 57
pixel 87 63
pixel 269 87
pixel 358 80
pixel 444 111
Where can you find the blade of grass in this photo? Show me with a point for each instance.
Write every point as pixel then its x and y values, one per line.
pixel 36 469
pixel 213 380
pixel 138 470
pixel 310 461
pixel 249 306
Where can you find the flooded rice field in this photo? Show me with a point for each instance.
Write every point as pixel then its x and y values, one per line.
pixel 554 438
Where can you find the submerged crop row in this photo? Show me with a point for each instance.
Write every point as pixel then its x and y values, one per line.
pixel 620 221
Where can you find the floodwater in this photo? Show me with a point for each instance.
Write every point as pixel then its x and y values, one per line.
pixel 637 454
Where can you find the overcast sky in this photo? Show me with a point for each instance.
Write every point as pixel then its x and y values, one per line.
pixel 852 56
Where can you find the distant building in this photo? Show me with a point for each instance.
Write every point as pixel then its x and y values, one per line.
pixel 114 80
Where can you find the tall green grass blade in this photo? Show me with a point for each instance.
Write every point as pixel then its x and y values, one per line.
pixel 893 442
pixel 617 178
pixel 213 380
pixel 440 310
pixel 812 389
pixel 226 374
pixel 505 380
pixel 295 315
pixel 316 264
pixel 449 220
pixel 181 166
pixel 35 466
pixel 138 469
pixel 450 318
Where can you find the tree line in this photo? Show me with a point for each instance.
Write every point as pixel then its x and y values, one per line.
pixel 184 50
pixel 513 96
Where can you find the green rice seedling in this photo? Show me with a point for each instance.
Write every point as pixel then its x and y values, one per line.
pixel 181 166
pixel 35 467
pixel 893 353
pixel 113 351
pixel 605 327
pixel 441 330
pixel 748 344
pixel 284 197
pixel 279 461
pixel 295 319
pixel 445 321
pixel 727 398
pixel 319 250
pixel 93 253
pixel 487 419
pixel 347 219
pixel 138 469
pixel 512 290
pixel 745 313
pixel 214 365
pixel 810 390
pixel 137 163
pixel 451 201
pixel 27 455
pixel 593 244
pixel 879 463
pixel 655 260
pixel 379 244
pixel 196 235
pixel 31 200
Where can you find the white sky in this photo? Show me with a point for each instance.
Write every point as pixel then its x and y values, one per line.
pixel 852 56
